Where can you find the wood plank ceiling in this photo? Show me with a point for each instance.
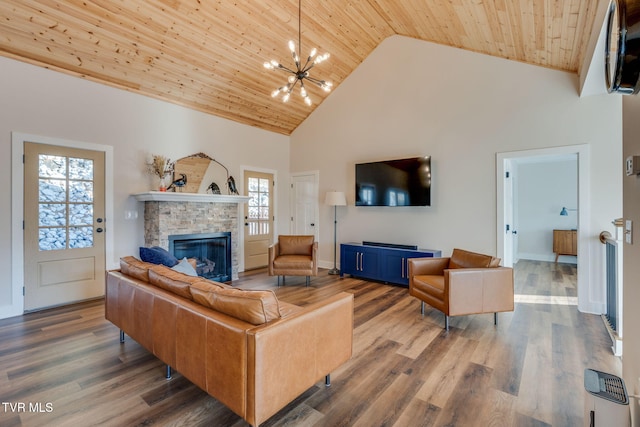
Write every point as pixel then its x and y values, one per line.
pixel 208 54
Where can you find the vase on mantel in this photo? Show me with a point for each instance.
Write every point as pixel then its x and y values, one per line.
pixel 162 185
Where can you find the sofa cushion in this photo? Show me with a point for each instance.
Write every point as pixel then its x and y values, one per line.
pixel 295 245
pixel 157 255
pixel 465 259
pixel 255 307
pixel 172 281
pixel 131 266
pixel 433 285
pixel 297 262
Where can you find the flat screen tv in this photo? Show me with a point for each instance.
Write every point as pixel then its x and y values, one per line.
pixel 401 182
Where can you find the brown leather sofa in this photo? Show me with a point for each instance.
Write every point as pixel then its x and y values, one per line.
pixel 247 349
pixel 293 256
pixel 465 283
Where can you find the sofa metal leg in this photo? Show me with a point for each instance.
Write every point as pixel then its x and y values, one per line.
pixel 308 280
pixel 278 280
pixel 446 322
pixel 168 373
pixel 121 336
pixel 422 308
pixel 327 380
pixel 495 318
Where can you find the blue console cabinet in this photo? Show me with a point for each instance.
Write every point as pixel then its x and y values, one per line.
pixel 379 262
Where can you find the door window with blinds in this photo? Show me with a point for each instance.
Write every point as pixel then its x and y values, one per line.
pixel 65 202
pixel 258 206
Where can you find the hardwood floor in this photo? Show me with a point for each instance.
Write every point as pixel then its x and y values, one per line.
pixel 67 367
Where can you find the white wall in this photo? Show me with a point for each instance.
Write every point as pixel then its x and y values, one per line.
pixel 37 101
pixel 543 188
pixel 417 98
pixel 631 255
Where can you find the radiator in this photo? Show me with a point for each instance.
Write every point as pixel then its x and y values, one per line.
pixel 613 271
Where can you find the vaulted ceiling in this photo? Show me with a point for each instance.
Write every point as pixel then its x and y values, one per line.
pixel 208 54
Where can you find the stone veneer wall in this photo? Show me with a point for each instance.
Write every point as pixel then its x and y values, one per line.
pixel 164 219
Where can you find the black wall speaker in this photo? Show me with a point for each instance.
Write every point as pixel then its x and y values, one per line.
pixel 622 50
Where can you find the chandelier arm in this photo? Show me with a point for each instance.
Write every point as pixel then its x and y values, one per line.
pixel 288 70
pixel 316 81
pixel 309 67
pixel 292 86
pixel 310 64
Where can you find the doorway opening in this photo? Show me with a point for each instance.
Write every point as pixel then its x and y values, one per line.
pixel 507 240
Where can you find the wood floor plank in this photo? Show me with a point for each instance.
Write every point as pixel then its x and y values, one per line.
pixel 419 339
pixel 406 370
pixel 418 414
pixel 386 409
pixel 468 399
pixel 502 411
pixel 535 400
pixel 448 369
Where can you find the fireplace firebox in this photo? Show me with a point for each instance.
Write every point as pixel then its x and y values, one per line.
pixel 212 252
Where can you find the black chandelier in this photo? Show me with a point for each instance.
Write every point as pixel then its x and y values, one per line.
pixel 301 72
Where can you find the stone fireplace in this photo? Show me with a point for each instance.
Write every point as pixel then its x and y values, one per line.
pixel 168 214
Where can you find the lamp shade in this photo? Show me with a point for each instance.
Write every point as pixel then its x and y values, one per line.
pixel 335 198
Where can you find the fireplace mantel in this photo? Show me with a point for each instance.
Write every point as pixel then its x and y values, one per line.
pixel 170 196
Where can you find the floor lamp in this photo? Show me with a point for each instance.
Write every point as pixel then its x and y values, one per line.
pixel 335 199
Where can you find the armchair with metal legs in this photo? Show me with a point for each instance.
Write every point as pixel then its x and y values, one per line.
pixel 293 255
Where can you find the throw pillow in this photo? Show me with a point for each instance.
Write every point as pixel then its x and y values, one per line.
pixel 157 255
pixel 185 267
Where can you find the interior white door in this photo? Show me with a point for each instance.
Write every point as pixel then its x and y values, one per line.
pixel 509 228
pixel 64 225
pixel 304 199
pixel 258 218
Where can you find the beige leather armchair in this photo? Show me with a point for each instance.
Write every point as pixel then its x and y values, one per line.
pixel 293 256
pixel 465 283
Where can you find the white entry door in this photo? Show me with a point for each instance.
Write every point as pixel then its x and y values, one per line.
pixel 509 228
pixel 258 219
pixel 304 199
pixel 64 224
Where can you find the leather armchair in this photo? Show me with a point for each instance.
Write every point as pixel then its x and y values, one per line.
pixel 465 283
pixel 293 256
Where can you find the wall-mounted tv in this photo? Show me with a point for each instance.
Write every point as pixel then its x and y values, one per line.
pixel 401 182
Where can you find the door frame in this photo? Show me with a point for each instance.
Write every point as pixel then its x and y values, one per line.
pixel 18 139
pixel 584 212
pixel 241 190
